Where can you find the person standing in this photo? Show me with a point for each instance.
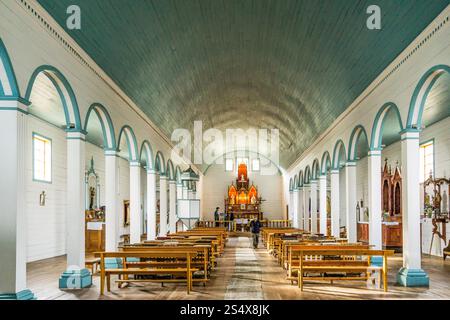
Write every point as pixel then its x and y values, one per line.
pixel 231 222
pixel 255 226
pixel 216 216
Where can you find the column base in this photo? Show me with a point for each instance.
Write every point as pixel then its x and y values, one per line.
pixel 413 278
pixel 376 261
pixel 21 295
pixel 75 279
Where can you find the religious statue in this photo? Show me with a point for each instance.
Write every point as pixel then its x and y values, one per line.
pixel 437 201
pixel 253 200
pixel 233 199
pixel 91 197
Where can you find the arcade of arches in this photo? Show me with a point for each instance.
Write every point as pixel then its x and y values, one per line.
pixel 89 176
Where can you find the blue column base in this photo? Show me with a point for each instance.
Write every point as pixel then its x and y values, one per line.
pixel 75 279
pixel 21 295
pixel 413 278
pixel 376 261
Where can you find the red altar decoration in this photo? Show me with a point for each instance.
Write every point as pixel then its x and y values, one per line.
pixel 242 199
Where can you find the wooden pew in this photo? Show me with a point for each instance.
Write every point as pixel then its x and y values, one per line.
pixel 201 257
pixel 295 250
pixel 322 266
pixel 180 270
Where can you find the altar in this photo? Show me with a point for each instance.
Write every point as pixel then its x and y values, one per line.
pixel 243 199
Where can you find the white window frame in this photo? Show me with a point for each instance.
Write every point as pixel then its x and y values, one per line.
pixel 424 168
pixel 47 160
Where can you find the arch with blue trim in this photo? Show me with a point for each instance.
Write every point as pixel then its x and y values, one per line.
pixel 307 176
pixel 130 138
pixel 295 182
pixel 8 82
pixel 160 164
pixel 65 92
pixel 315 169
pixel 326 163
pixel 290 184
pixel 420 95
pixel 178 174
pixel 378 124
pixel 357 132
pixel 106 123
pixel 147 155
pixel 300 179
pixel 170 170
pixel 338 152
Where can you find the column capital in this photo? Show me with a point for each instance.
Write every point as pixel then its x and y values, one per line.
pixel 410 134
pixel 14 104
pixel 151 171
pixel 134 163
pixel 350 164
pixel 295 190
pixel 163 177
pixel 323 177
pixel 334 171
pixel 75 135
pixel 110 153
pixel 172 182
pixel 374 153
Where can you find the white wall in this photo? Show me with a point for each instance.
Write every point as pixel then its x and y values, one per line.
pixel 46 227
pixel 216 181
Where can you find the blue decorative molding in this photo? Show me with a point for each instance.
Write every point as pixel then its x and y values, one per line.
pixel 353 142
pixel 51 72
pixel 413 278
pixel 337 157
pixel 377 136
pixel 100 110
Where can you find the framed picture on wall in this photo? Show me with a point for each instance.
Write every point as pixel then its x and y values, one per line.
pixel 126 213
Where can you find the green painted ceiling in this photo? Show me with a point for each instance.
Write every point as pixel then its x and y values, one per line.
pixel 291 65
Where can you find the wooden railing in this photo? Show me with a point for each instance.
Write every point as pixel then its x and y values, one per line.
pixel 226 224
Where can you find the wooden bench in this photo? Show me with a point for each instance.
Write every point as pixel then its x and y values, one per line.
pixel 183 269
pixel 201 258
pixel 341 266
pixel 295 250
pixel 93 264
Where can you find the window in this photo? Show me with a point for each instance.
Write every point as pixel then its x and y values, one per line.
pixel 42 158
pixel 228 164
pixel 426 160
pixel 255 165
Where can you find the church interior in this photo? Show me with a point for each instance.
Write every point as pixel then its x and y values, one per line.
pixel 224 150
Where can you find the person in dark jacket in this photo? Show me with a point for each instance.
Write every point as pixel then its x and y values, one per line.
pixel 231 223
pixel 255 226
pixel 216 216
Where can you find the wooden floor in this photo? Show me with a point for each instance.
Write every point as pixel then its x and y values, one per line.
pixel 244 273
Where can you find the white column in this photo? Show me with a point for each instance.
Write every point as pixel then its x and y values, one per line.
pixel 163 205
pixel 172 207
pixel 151 204
pixel 112 212
pixel 291 206
pixel 75 242
pixel 323 204
pixel 374 201
pixel 335 226
pixel 411 200
pixel 295 205
pixel 300 208
pixel 13 141
pixel 306 225
pixel 350 198
pixel 313 206
pixel 135 202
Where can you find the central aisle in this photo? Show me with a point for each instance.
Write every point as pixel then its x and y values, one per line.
pixel 246 281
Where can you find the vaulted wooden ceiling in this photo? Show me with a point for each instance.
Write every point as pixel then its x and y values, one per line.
pixel 286 64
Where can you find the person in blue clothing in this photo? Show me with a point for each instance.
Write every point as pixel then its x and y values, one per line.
pixel 255 226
